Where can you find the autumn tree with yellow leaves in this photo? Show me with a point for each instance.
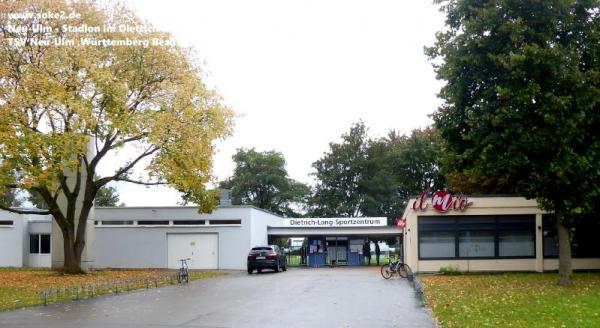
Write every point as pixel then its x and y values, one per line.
pixel 65 109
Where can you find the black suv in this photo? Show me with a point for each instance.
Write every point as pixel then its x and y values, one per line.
pixel 266 257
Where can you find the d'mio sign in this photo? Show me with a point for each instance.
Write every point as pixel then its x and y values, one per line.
pixel 442 201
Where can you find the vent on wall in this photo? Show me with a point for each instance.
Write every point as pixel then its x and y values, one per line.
pixel 225 199
pixel 6 223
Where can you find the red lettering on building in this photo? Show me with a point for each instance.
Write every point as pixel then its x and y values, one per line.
pixel 442 201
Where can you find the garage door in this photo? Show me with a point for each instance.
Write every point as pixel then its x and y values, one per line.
pixel 203 249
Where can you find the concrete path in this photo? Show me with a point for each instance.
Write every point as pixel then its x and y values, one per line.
pixel 340 297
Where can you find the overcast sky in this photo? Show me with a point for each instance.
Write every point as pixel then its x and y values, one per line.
pixel 299 73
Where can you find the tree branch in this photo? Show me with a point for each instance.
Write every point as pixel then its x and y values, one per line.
pixel 142 182
pixel 119 173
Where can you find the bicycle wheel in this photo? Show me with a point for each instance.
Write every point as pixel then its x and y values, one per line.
pixel 386 271
pixel 404 270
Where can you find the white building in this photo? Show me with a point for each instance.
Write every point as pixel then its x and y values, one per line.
pixel 25 240
pixel 157 237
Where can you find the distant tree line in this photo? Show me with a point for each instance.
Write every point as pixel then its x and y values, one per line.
pixel 357 176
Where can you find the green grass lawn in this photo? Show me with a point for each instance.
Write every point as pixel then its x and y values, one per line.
pixel 513 300
pixel 21 287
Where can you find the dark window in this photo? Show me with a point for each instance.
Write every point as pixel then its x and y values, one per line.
pixel 45 244
pixel 153 223
pixel 476 243
pixel 262 248
pixel 34 244
pixel 189 222
pixel 117 222
pixel 447 237
pixel 516 243
pixel 585 232
pixel 436 244
pixel 225 221
pixel 6 223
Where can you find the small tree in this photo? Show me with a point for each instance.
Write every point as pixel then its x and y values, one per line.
pixel 522 102
pixel 260 179
pixel 58 101
pixel 107 196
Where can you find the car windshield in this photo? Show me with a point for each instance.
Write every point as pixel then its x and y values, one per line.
pixel 264 248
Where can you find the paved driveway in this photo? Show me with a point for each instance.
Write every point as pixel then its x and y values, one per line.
pixel 341 297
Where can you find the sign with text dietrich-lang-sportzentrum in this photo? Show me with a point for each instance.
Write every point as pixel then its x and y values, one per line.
pixel 335 222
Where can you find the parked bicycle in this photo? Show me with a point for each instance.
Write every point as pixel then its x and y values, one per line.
pixel 183 271
pixel 397 267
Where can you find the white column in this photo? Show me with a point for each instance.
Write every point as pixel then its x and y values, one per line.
pixel 539 248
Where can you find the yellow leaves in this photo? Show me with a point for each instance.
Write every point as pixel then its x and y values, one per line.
pixel 21 287
pixel 70 93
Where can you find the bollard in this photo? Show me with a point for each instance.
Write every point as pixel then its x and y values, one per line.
pixel 147 283
pixel 45 298
pixel 92 291
pixel 77 294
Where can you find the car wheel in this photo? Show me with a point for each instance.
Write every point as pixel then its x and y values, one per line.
pixel 250 270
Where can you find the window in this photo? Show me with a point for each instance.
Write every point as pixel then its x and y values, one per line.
pixel 153 222
pixel 189 222
pixel 117 222
pixel 517 243
pixel 584 236
pixel 476 243
pixel 39 244
pixel 225 222
pixel 436 244
pixel 508 236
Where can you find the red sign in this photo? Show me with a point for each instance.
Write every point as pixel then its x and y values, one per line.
pixel 442 201
pixel 400 223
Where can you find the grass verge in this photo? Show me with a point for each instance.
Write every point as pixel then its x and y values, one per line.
pixel 21 287
pixel 513 300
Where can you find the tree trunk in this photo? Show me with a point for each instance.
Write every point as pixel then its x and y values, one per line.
pixel 565 269
pixel 72 264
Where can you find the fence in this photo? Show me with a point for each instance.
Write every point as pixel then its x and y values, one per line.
pixel 86 291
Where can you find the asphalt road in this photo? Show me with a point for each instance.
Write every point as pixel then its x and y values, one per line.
pixel 340 297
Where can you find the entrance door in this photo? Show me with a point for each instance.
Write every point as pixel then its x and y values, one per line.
pixel 337 250
pixel 203 250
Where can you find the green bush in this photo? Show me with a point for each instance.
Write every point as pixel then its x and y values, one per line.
pixel 450 271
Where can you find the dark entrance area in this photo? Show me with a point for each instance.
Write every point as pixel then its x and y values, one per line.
pixel 338 250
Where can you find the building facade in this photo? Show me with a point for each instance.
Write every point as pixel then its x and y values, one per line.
pixel 486 234
pixel 438 230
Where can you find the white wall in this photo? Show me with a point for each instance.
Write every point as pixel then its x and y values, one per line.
pixel 146 247
pixel 260 221
pixel 11 240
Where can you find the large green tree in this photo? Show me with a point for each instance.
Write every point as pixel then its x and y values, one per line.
pixel 522 102
pixel 65 110
pixel 360 176
pixel 260 179
pixel 338 175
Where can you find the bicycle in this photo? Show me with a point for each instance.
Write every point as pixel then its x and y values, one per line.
pixel 399 267
pixel 183 274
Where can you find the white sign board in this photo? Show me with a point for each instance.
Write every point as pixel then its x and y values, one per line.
pixel 335 222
